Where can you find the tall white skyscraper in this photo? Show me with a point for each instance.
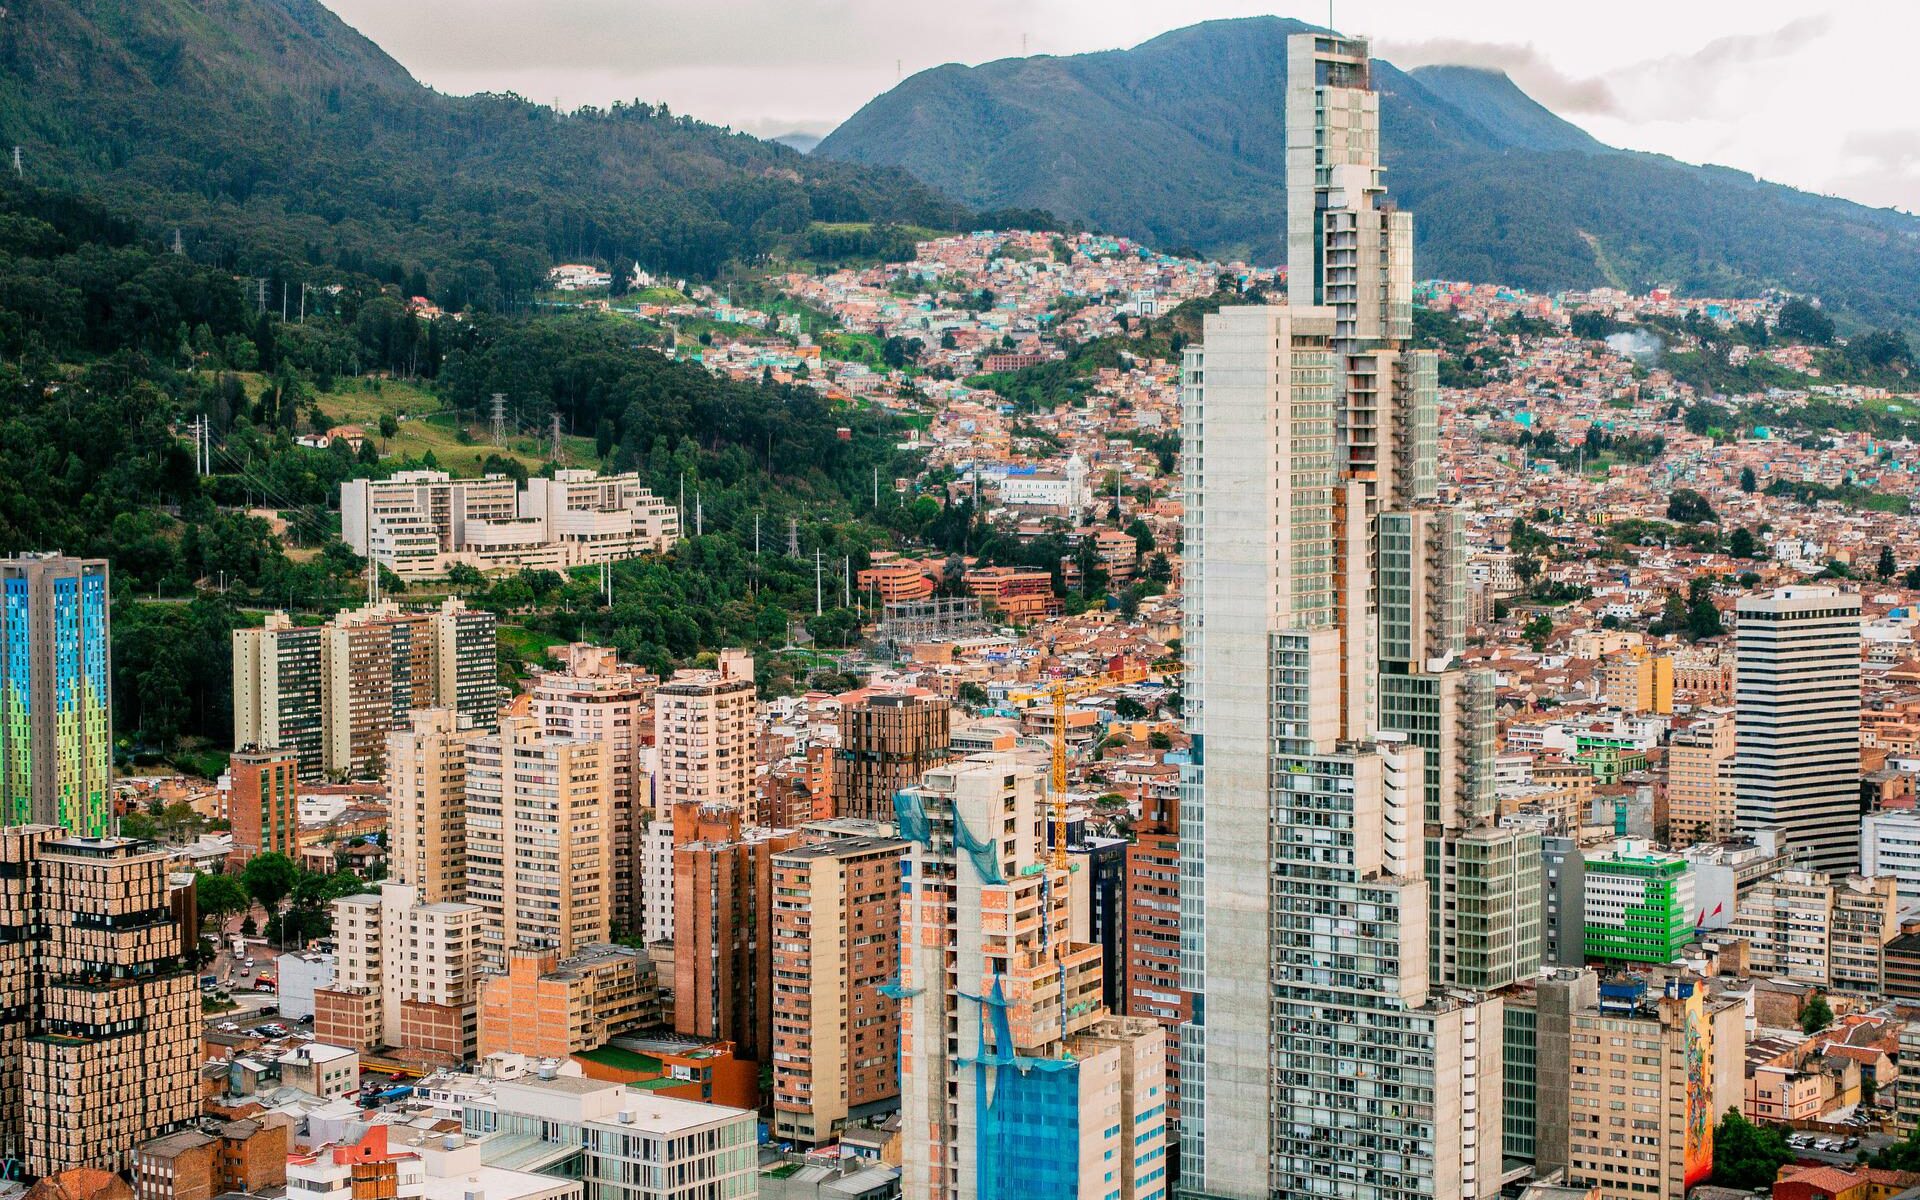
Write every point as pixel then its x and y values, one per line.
pixel 1339 801
pixel 1797 722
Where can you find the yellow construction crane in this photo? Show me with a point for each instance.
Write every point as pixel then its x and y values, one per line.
pixel 1059 691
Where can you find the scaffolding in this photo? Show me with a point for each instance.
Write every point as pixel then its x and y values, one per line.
pixel 938 618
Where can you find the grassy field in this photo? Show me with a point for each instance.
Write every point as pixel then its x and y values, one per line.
pixel 424 426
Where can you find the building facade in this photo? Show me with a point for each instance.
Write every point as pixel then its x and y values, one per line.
pixel 836 947
pixel 427 803
pixel 1014 1081
pixel 56 693
pixel 546 1006
pixel 1797 708
pixel 704 727
pixel 262 808
pixel 888 740
pixel 592 694
pixel 1638 905
pixel 539 840
pixel 722 899
pixel 1700 780
pixel 99 1016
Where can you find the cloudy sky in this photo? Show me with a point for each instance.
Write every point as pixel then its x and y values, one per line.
pixel 1819 94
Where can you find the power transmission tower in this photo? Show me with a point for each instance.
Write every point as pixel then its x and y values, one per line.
pixel 179 244
pixel 557 454
pixel 19 166
pixel 606 582
pixel 699 516
pixel 846 584
pixel 499 418
pixel 793 537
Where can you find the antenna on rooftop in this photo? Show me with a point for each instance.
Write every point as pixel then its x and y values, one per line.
pixel 499 418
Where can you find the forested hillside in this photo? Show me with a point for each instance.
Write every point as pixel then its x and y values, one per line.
pixel 1181 141
pixel 276 138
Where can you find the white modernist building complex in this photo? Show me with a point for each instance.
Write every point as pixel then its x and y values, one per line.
pixel 418 524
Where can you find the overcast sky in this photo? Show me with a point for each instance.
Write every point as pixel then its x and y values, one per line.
pixel 1819 94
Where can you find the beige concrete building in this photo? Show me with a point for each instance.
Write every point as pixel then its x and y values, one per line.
pixel 330 694
pixel 704 736
pixel 99 1021
pixel 1647 1074
pixel 1700 793
pixel 836 943
pixel 405 976
pixel 427 803
pixel 417 524
pixel 1637 680
pixel 592 694
pixel 539 840
pixel 1811 927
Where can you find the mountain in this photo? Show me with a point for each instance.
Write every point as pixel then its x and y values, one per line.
pixel 1181 141
pixel 803 142
pixel 274 135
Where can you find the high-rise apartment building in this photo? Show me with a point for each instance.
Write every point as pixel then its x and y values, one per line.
pixel 1700 780
pixel 405 976
pixel 1014 1080
pixel 888 740
pixel 722 898
pixel 1797 712
pixel 276 691
pixel 56 694
pixel 99 1020
pixel 330 694
pixel 704 736
pixel 592 694
pixel 1153 931
pixel 427 803
pixel 1631 1083
pixel 836 949
pixel 262 807
pixel 1344 892
pixel 539 836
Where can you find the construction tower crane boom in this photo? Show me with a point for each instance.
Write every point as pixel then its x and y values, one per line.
pixel 1058 692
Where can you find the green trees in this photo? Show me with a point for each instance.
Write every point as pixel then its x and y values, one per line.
pixel 1740 543
pixel 219 897
pixel 1816 1015
pixel 1747 481
pixel 269 879
pixel 1746 1155
pixel 1886 565
pixel 1688 507
pixel 1537 630
pixel 1800 321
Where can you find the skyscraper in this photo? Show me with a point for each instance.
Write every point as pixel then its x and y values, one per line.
pixel 539 827
pixel 56 711
pixel 1797 722
pixel 99 1028
pixel 1014 1081
pixel 592 694
pixel 427 803
pixel 1345 896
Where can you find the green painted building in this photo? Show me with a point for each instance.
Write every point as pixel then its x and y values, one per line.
pixel 1638 905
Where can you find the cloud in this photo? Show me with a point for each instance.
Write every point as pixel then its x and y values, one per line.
pixel 1524 63
pixel 1652 89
